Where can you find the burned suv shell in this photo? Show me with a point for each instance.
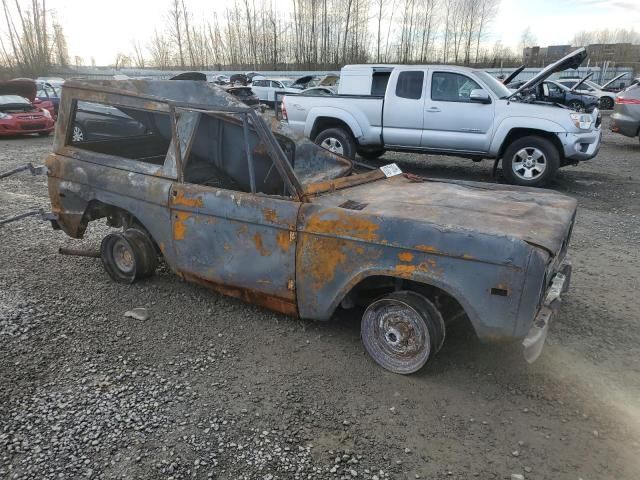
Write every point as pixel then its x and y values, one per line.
pixel 250 213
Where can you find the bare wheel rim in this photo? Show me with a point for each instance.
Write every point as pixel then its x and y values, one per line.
pixel 77 135
pixel 333 145
pixel 123 256
pixel 529 163
pixel 396 335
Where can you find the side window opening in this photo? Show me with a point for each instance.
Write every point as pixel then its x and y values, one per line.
pixel 122 131
pixel 452 87
pixel 379 81
pixel 218 157
pixel 410 85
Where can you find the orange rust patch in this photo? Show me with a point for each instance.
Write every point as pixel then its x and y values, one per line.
pixel 270 215
pixel 345 225
pixel 426 248
pixel 405 269
pixel 226 247
pixel 180 199
pixel 179 227
pixel 161 246
pixel 405 256
pixel 282 239
pixel 327 256
pixel 257 239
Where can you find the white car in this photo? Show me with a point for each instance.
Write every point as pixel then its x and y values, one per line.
pixel 266 88
pixel 592 88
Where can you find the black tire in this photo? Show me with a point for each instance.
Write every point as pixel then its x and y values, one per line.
pixel 371 154
pixel 540 175
pixel 128 256
pixel 342 141
pixel 606 103
pixel 576 105
pixel 402 331
pixel 147 250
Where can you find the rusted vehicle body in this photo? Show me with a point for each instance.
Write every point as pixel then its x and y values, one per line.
pixel 234 204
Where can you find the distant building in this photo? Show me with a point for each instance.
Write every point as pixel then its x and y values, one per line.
pixel 598 52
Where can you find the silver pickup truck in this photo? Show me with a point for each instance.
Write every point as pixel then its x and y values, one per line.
pixel 450 110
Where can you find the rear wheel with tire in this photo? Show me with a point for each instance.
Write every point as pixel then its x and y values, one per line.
pixel 128 256
pixel 371 154
pixel 402 330
pixel 606 103
pixel 338 141
pixel 530 161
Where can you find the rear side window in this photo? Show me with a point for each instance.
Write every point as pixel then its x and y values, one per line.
pixel 121 131
pixel 379 82
pixel 410 85
pixel 451 87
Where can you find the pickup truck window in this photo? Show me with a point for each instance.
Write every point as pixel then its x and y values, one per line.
pixel 379 82
pixel 451 87
pixel 410 85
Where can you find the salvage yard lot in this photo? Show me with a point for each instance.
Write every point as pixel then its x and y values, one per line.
pixel 209 387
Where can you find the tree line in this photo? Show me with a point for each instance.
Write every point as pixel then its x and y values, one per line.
pixel 31 40
pixel 321 34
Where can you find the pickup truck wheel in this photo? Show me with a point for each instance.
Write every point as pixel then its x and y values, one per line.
pixel 401 331
pixel 530 161
pixel 338 141
pixel 128 256
pixel 371 154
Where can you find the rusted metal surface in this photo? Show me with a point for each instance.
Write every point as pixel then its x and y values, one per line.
pixel 242 207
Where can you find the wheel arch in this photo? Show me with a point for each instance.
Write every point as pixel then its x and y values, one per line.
pixel 517 133
pixel 381 282
pixel 331 118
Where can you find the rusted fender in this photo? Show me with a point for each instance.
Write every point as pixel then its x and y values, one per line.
pixel 339 248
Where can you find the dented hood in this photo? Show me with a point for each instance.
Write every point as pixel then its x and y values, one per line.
pixel 538 217
pixel 24 87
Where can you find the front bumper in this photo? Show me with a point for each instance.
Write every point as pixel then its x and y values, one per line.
pixel 581 146
pixel 23 128
pixel 534 341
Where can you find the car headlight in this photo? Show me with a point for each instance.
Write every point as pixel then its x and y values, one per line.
pixel 583 121
pixel 46 113
pixel 5 116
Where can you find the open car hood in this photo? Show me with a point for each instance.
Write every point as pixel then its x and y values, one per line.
pixel 513 75
pixel 581 82
pixel 24 87
pixel 573 60
pixel 617 77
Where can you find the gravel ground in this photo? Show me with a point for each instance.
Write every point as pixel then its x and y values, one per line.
pixel 208 387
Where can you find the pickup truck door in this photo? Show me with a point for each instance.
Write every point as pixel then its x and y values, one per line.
pixel 451 120
pixel 404 109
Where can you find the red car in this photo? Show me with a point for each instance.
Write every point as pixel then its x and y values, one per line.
pixel 18 115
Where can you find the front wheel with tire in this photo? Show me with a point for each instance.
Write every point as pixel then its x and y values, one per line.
pixel 401 331
pixel 128 256
pixel 530 161
pixel 78 134
pixel 337 141
pixel 576 105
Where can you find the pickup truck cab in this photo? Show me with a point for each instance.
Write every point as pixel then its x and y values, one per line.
pixel 450 110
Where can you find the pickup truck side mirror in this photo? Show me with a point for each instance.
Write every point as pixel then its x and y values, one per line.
pixel 479 96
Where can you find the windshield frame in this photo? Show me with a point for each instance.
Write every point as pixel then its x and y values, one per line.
pixel 499 89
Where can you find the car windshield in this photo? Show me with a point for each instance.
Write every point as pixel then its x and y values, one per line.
pixel 494 84
pixel 13 100
pixel 286 83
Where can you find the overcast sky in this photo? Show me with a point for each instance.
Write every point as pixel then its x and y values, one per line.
pixel 101 29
